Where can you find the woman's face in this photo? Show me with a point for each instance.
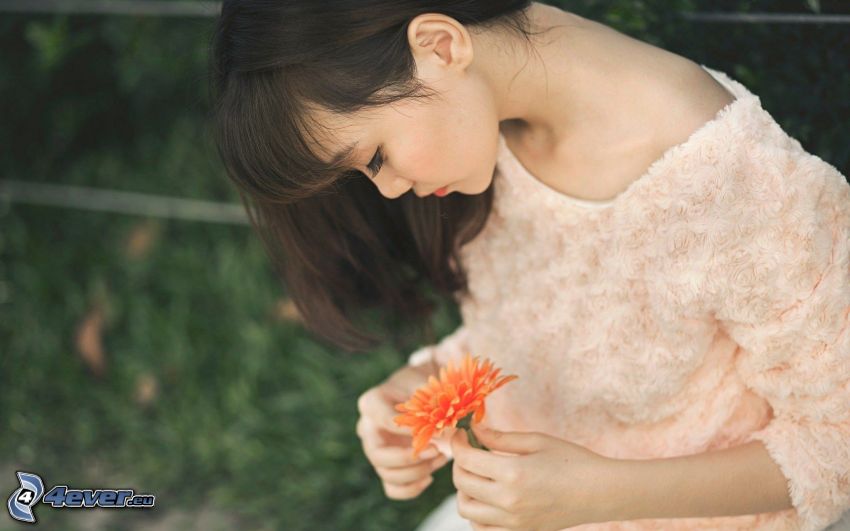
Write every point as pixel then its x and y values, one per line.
pixel 425 146
pixel 447 141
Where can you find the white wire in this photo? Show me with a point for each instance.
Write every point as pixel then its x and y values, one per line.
pixel 114 7
pixel 769 18
pixel 85 198
pixel 213 9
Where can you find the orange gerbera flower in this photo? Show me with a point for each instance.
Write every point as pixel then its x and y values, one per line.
pixel 450 401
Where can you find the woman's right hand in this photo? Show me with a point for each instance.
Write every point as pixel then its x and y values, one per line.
pixel 388 446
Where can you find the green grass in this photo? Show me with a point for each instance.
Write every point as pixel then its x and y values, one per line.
pixel 251 412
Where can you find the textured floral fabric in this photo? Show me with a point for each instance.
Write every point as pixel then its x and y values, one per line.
pixel 705 306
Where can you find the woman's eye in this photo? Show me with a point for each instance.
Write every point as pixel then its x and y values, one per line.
pixel 376 162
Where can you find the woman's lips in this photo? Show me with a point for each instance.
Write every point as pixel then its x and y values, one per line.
pixel 440 192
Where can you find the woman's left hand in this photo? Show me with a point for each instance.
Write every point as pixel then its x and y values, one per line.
pixel 549 484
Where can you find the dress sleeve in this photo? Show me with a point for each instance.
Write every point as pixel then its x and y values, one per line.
pixel 451 347
pixel 779 286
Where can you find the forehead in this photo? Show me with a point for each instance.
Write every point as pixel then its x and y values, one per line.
pixel 335 137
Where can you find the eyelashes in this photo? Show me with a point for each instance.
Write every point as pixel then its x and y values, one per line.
pixel 377 162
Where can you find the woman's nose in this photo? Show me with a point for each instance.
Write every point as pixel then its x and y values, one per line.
pixel 395 186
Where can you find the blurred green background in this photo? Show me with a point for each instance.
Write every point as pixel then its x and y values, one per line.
pixel 162 354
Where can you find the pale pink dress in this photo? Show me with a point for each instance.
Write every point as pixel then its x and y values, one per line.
pixel 705 306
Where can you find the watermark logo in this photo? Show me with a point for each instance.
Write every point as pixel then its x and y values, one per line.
pixel 23 499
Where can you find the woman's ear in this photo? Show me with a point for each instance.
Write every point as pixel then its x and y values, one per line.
pixel 439 42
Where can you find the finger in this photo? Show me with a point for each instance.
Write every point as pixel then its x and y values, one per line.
pixel 366 430
pixel 376 405
pixel 402 476
pixel 372 434
pixel 438 462
pixel 380 408
pixel 482 489
pixel 515 442
pixel 405 492
pixel 482 527
pixel 481 462
pixel 403 383
pixel 397 456
pixel 481 513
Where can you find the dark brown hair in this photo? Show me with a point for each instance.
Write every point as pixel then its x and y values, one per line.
pixel 339 246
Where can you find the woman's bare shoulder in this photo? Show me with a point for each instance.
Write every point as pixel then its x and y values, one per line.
pixel 696 99
pixel 673 90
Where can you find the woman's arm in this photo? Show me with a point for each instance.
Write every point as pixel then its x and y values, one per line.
pixel 451 347
pixel 735 481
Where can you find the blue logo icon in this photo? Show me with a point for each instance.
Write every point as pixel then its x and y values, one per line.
pixel 22 500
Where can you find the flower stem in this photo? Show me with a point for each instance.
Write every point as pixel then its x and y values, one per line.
pixel 470 435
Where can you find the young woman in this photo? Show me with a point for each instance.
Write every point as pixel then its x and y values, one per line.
pixel 631 233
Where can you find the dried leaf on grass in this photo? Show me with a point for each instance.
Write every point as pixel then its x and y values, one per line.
pixel 89 340
pixel 147 389
pixel 285 310
pixel 141 239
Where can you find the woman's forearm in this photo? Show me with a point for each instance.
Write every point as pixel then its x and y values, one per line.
pixel 734 481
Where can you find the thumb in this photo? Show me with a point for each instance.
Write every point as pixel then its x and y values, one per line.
pixel 515 442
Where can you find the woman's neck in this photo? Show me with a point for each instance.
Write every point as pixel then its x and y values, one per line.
pixel 573 95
